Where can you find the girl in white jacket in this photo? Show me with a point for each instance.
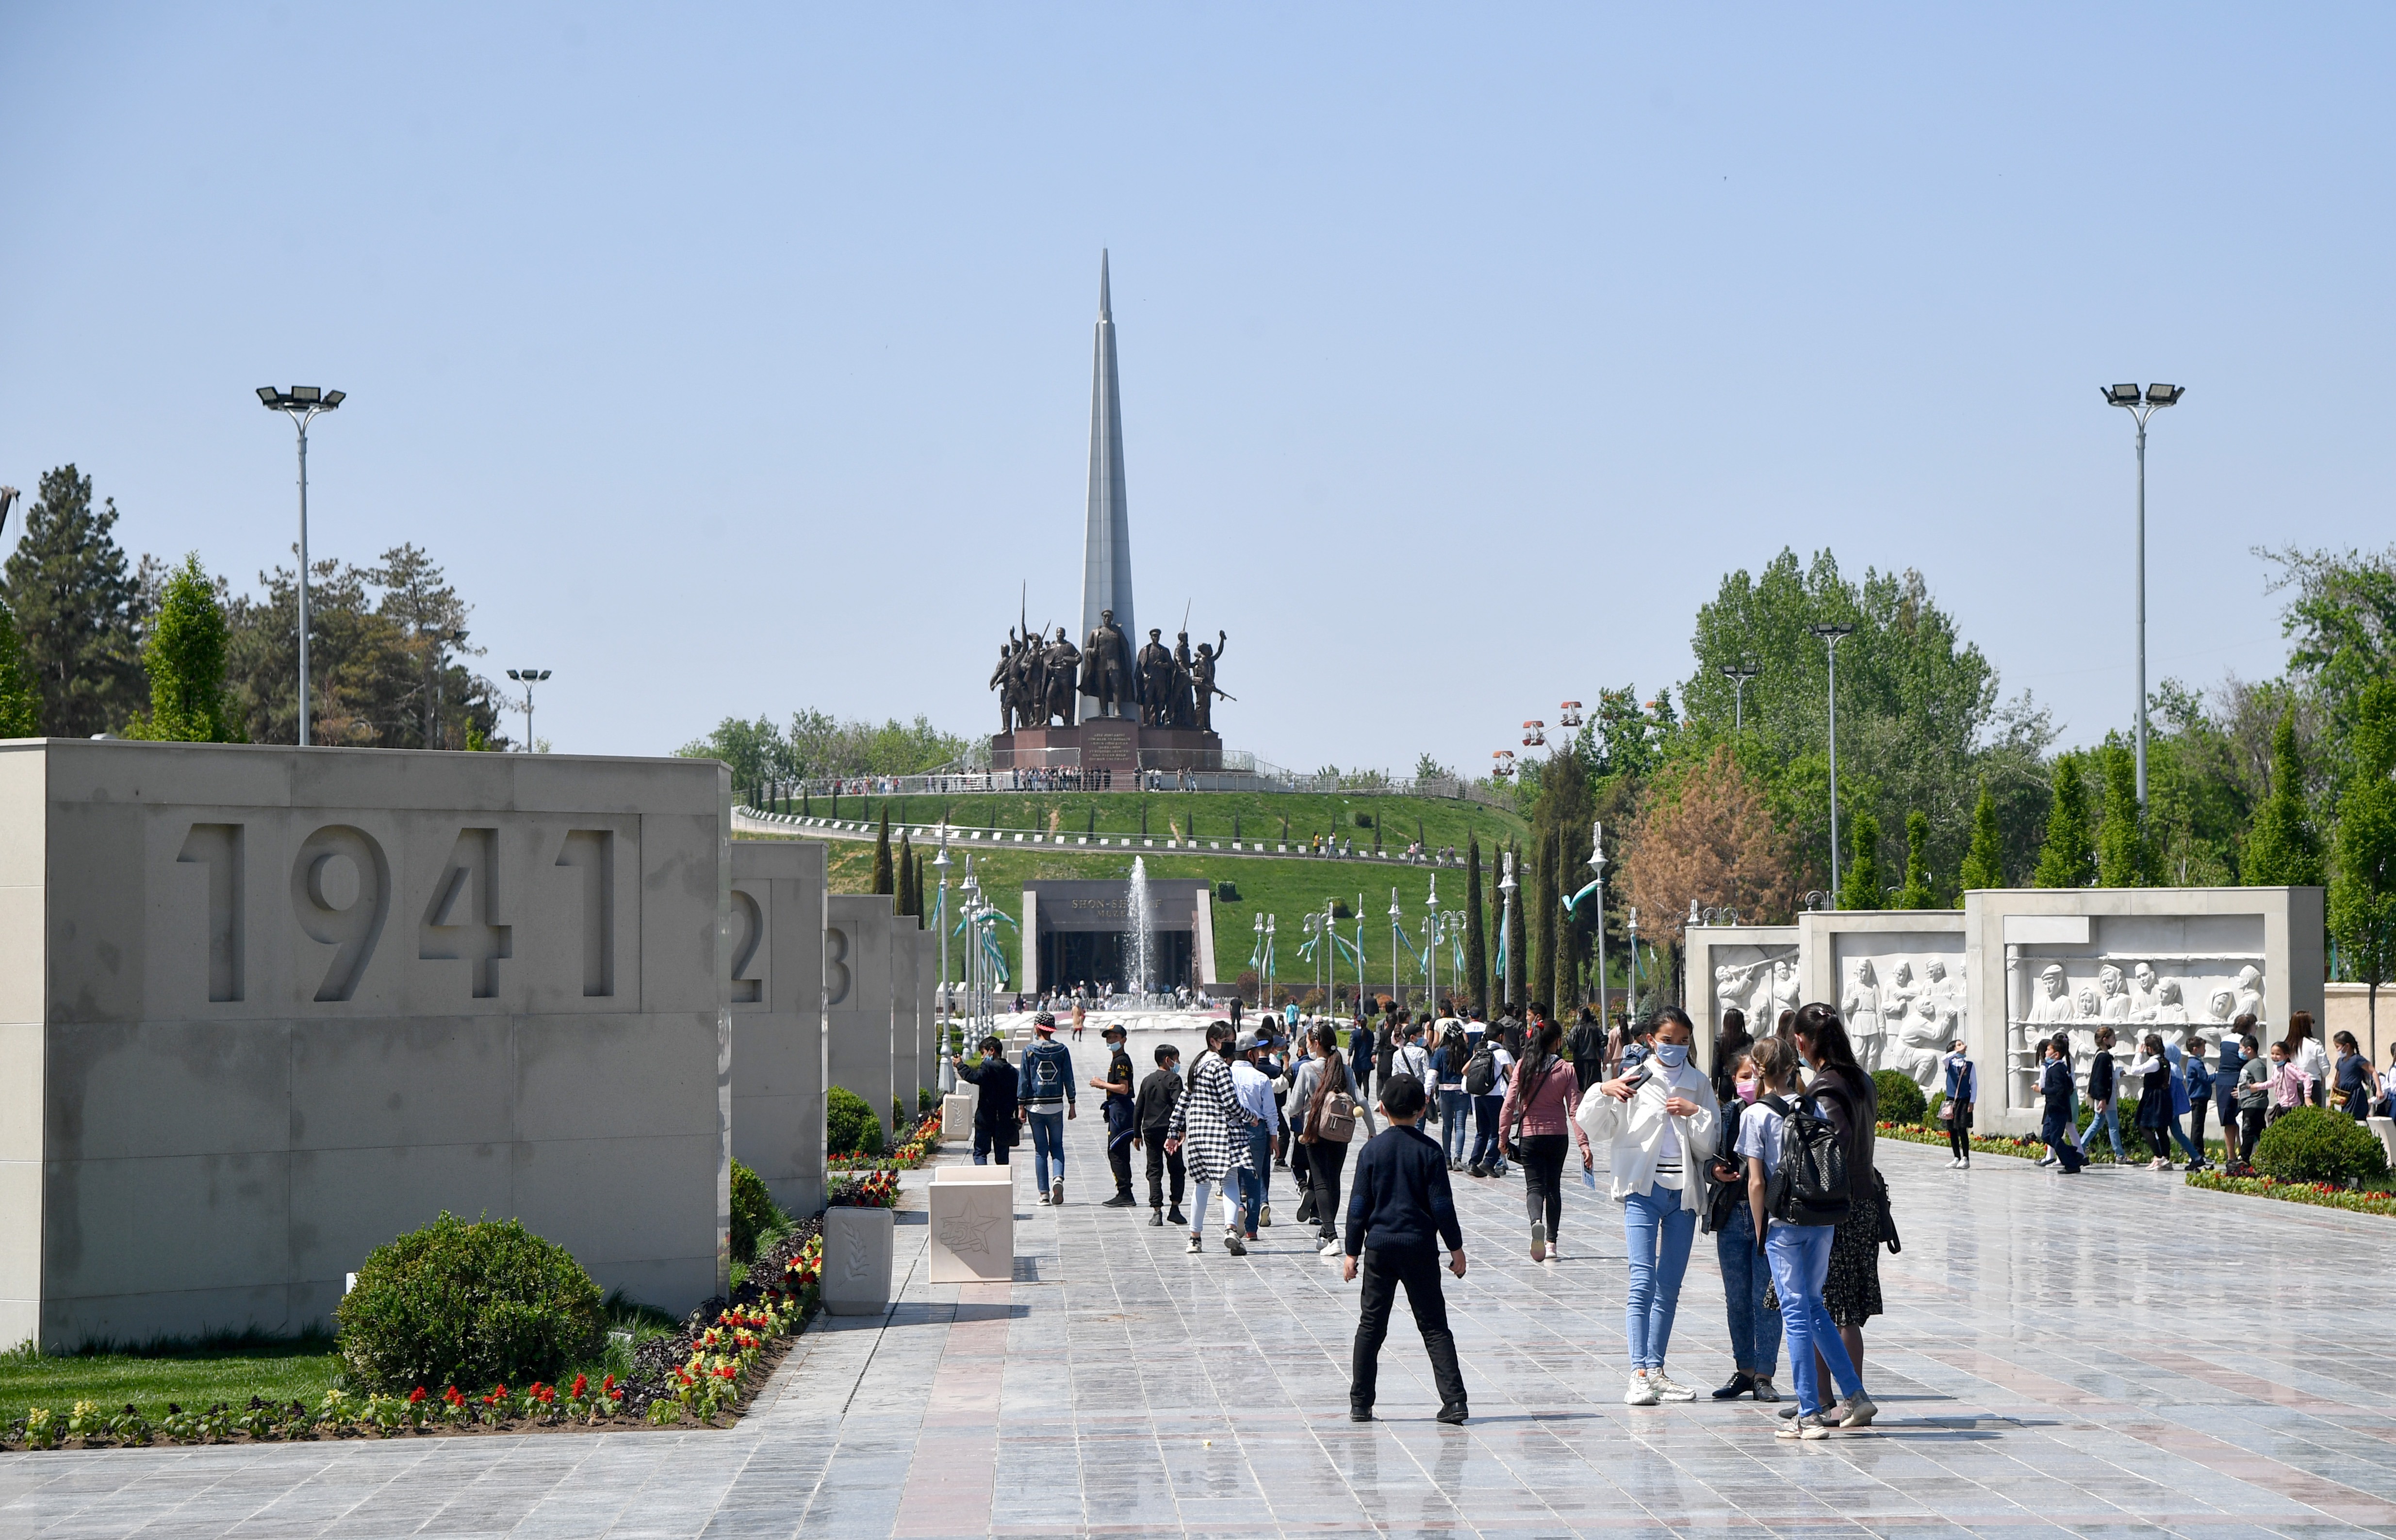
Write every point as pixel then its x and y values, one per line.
pixel 1661 1121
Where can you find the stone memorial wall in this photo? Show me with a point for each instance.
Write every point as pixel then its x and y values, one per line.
pixel 776 940
pixel 263 1009
pixel 859 995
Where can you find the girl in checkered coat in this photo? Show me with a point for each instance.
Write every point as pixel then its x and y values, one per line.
pixel 1211 1128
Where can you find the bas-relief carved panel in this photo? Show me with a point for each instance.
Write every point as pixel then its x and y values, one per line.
pixel 2169 995
pixel 1758 980
pixel 1903 1001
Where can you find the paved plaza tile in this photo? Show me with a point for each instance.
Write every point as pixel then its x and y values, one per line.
pixel 2107 1356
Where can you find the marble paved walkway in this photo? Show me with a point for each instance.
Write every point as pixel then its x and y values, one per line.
pixel 2107 1355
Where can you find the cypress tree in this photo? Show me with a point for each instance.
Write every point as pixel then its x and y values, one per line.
pixel 1916 894
pixel 1859 884
pixel 906 873
pixel 1476 937
pixel 2283 849
pixel 1984 865
pixel 2121 838
pixel 885 878
pixel 21 708
pixel 2067 859
pixel 186 656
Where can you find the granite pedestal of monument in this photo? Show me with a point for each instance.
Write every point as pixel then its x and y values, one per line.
pixel 778 1020
pixel 1117 745
pixel 972 1224
pixel 263 1009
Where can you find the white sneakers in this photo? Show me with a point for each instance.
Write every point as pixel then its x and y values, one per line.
pixel 1538 1240
pixel 1196 1246
pixel 1649 1387
pixel 1330 1248
pixel 1056 1190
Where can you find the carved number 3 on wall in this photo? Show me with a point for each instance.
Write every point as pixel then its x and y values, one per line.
pixel 836 973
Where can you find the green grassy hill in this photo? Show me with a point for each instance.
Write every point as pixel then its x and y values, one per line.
pixel 1202 814
pixel 1283 887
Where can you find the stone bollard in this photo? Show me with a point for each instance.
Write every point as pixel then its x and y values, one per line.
pixel 859 1243
pixel 957 1117
pixel 972 1224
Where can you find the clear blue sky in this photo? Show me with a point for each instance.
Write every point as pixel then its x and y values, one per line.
pixel 739 360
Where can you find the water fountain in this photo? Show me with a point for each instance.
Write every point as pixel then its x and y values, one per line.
pixel 1141 949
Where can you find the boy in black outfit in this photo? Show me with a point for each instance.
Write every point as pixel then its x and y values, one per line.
pixel 1399 1210
pixel 1157 1094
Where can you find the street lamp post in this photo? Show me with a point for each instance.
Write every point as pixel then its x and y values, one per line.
pixel 303 405
pixel 1258 954
pixel 1597 865
pixel 1270 959
pixel 1506 886
pixel 1397 936
pixel 2126 397
pixel 1431 977
pixel 1830 635
pixel 1738 673
pixel 529 678
pixel 1633 984
pixel 940 864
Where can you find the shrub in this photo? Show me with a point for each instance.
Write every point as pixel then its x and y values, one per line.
pixel 1900 1099
pixel 2313 1144
pixel 468 1304
pixel 1363 819
pixel 752 1212
pixel 850 1127
pixel 1227 892
pixel 925 1098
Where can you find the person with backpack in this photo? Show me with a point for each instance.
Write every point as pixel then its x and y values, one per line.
pixel 1846 1091
pixel 1485 1082
pixel 1329 1111
pixel 1536 1120
pixel 1754 1331
pixel 1955 1110
pixel 1586 1045
pixel 1158 1093
pixel 1661 1121
pixel 1447 1062
pixel 1045 1089
pixel 1210 1131
pixel 994 1121
pixel 1797 1185
pixel 1400 1211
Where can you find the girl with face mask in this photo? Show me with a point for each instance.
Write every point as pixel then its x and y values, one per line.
pixel 1754 1331
pixel 1661 1121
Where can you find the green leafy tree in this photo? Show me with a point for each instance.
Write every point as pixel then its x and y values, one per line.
pixel 2067 859
pixel 21 705
pixel 78 609
pixel 2363 876
pixel 1916 894
pixel 1859 884
pixel 2284 850
pixel 886 877
pixel 186 656
pixel 1984 864
pixel 2341 623
pixel 1476 934
pixel 2120 834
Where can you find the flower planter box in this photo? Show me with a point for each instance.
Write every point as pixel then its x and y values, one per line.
pixel 859 1243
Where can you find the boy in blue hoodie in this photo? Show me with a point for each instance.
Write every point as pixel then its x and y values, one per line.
pixel 1045 1089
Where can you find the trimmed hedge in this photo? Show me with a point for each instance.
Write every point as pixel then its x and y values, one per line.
pixel 1900 1099
pixel 2313 1144
pixel 850 1127
pixel 469 1304
pixel 752 1212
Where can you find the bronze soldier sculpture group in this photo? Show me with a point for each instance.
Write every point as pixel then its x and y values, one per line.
pixel 1038 678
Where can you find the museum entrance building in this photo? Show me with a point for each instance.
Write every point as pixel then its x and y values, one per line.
pixel 1082 933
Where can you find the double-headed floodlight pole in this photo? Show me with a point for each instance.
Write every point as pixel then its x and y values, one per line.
pixel 2126 397
pixel 1738 673
pixel 529 678
pixel 303 405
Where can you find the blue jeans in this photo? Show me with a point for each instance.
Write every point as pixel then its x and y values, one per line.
pixel 1485 1133
pixel 1453 1137
pixel 1801 1261
pixel 2179 1136
pixel 1048 1143
pixel 2111 1120
pixel 1657 1230
pixel 1255 1186
pixel 1754 1331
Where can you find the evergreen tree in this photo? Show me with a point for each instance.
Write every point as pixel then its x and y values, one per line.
pixel 886 877
pixel 2067 859
pixel 1476 937
pixel 1916 894
pixel 2120 836
pixel 2283 849
pixel 77 609
pixel 1517 962
pixel 21 708
pixel 2363 878
pixel 186 656
pixel 906 874
pixel 1859 884
pixel 1544 910
pixel 1984 865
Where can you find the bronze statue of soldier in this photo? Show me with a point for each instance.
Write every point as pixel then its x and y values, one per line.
pixel 1062 661
pixel 1106 670
pixel 1202 683
pixel 1156 667
pixel 1001 679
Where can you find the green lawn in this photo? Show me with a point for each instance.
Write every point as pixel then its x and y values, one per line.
pixel 1203 815
pixel 192 1375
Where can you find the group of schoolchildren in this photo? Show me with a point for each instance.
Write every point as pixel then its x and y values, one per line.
pixel 1778 1169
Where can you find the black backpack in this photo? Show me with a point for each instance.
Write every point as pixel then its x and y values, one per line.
pixel 1481 1070
pixel 1809 1185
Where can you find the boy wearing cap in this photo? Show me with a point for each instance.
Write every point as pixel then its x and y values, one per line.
pixel 1253 1087
pixel 1400 1211
pixel 1045 1087
pixel 1122 1126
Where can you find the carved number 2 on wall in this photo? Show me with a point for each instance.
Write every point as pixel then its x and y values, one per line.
pixel 341 897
